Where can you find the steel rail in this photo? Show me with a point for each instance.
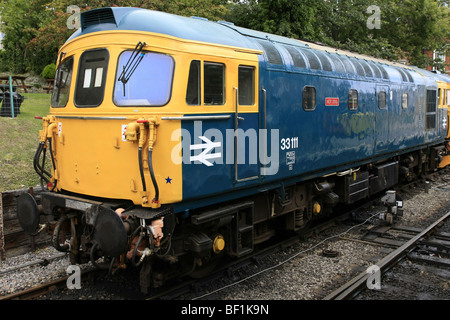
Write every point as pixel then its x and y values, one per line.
pixel 351 288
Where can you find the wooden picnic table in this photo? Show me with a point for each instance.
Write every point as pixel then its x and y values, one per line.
pixel 49 86
pixel 15 79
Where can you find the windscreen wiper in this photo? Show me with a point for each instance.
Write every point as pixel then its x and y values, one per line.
pixel 132 63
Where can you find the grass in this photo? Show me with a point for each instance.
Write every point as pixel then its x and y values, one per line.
pixel 19 138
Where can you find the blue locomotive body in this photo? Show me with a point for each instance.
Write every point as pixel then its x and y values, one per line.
pixel 332 111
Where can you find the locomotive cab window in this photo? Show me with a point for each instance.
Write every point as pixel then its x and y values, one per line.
pixel 193 92
pixel 309 98
pixel 353 99
pixel 246 85
pixel 213 83
pixel 214 75
pixel 63 78
pixel 148 84
pixel 91 78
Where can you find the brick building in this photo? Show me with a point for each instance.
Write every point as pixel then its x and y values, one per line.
pixel 435 55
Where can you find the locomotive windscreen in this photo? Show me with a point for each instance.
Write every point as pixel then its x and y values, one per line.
pixel 150 83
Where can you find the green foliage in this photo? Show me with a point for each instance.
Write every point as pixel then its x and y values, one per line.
pixel 407 28
pixel 49 71
pixel 35 29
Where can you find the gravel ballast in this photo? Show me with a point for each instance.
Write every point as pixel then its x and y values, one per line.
pixel 300 272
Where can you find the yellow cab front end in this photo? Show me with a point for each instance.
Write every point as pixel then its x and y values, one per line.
pixel 116 102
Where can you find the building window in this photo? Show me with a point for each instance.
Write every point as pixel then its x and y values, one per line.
pixel 353 99
pixel 309 98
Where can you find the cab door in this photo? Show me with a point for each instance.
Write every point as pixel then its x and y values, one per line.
pixel 246 133
pixel 382 121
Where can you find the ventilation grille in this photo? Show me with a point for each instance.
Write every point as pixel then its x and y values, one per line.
pixel 99 16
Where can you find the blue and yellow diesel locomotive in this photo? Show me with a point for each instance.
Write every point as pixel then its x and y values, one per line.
pixel 173 142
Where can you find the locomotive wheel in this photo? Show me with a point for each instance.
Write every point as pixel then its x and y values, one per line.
pixel 61 234
pixel 205 269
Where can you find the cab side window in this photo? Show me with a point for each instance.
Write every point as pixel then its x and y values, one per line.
pixel 246 85
pixel 213 83
pixel 214 75
pixel 193 93
pixel 91 78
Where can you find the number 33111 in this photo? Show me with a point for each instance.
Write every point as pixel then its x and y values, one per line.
pixel 289 143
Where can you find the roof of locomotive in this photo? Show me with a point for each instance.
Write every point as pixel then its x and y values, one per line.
pixel 194 28
pixel 200 29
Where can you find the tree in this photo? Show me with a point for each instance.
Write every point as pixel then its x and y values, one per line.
pixel 20 21
pixel 420 25
pixel 297 19
pixel 35 29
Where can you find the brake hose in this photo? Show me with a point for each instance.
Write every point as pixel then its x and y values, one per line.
pixel 152 174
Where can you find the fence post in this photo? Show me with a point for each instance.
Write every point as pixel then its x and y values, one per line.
pixel 2 235
pixel 11 96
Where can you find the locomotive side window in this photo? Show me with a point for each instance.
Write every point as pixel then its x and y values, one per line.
pixel 376 70
pixel 359 69
pixel 297 58
pixel 338 64
pixel 382 100
pixel 384 72
pixel 149 83
pixel 403 74
pixel 347 64
pixel 404 101
pixel 91 78
pixel 367 68
pixel 193 92
pixel 353 99
pixel 273 56
pixel 246 85
pixel 60 94
pixel 214 75
pixel 431 110
pixel 314 62
pixel 326 64
pixel 309 98
pixel 410 78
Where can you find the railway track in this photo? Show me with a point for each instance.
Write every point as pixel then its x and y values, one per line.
pixel 418 248
pixel 229 279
